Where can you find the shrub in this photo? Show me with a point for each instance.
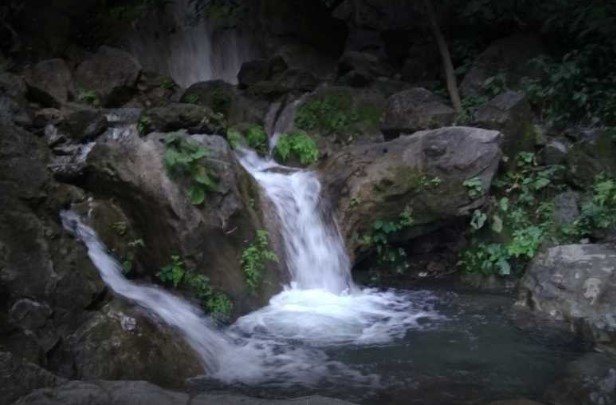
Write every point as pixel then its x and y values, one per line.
pixel 257 139
pixel 214 302
pixel 184 157
pixel 298 145
pixel 255 257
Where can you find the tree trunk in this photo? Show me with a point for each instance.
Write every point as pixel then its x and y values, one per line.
pixel 450 74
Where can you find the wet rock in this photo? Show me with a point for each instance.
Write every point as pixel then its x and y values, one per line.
pixel 413 110
pixel 120 343
pixel 104 393
pixel 422 173
pixel 577 284
pixel 566 207
pixel 510 55
pixel 154 90
pixel 50 82
pixel 176 116
pixel 253 72
pixel 591 380
pixel 83 124
pixel 359 69
pixel 14 112
pixel 555 152
pixel 18 377
pixel 12 86
pixel 590 156
pixel 510 114
pixel 515 402
pixel 111 74
pixel 289 81
pixel 215 94
pixel 209 237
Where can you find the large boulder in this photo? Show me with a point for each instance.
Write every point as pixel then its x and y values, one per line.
pixel 510 114
pixel 253 71
pixel 111 74
pixel 50 82
pixel 18 377
pixel 13 103
pixel 209 237
pixel 577 284
pixel 360 68
pixel 590 380
pixel 413 110
pixel 176 116
pixel 591 155
pixel 120 343
pixel 508 55
pixel 422 173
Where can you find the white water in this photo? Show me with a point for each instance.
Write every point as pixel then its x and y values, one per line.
pixel 282 343
pixel 185 47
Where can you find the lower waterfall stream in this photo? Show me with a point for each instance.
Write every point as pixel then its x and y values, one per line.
pixel 324 334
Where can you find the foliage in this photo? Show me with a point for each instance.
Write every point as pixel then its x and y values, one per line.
pixel 599 210
pixel 255 257
pixel 298 145
pixel 474 187
pixel 520 219
pixel 184 157
pixel 380 236
pixel 214 302
pixel 192 98
pixel 89 97
pixel 335 113
pixel 222 13
pixel 579 87
pixel 235 138
pixel 257 139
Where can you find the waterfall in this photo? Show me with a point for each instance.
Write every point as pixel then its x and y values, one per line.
pixel 281 344
pixel 184 46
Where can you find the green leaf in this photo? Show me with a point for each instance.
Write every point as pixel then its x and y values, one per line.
pixel 497 224
pixel 196 195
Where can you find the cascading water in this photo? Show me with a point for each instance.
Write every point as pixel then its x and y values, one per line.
pixel 283 343
pixel 183 45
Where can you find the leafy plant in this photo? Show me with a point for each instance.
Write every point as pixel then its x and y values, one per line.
pixel 599 210
pixel 235 139
pixel 184 157
pixel 474 187
pixel 379 238
pixel 89 97
pixel 257 139
pixel 255 257
pixel 143 125
pixel 192 98
pixel 298 145
pixel 214 302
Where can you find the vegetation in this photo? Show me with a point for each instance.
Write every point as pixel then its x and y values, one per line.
pixel 257 139
pixel 297 145
pixel 379 239
pixel 89 97
pixel 177 275
pixel 185 158
pixel 335 113
pixel 255 257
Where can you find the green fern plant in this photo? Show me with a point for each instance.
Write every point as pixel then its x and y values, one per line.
pixel 255 257
pixel 297 145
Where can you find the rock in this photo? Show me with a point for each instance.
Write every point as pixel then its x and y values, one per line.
pixel 422 173
pixel 17 378
pixel 209 237
pixel 253 72
pixel 555 152
pixel 153 90
pixel 510 55
pixel 111 74
pixel 515 402
pixel 232 399
pixel 12 86
pixel 577 284
pixel 176 116
pixel 15 112
pixel 120 343
pixel 591 380
pixel 83 124
pixel 591 156
pixel 290 81
pixel 510 114
pixel 381 15
pixel 413 110
pixel 359 69
pixel 104 393
pixel 215 94
pixel 566 208
pixel 50 82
